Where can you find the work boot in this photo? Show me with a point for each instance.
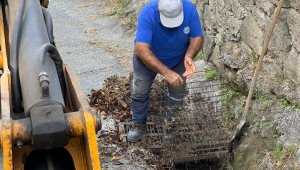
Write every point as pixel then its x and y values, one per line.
pixel 168 137
pixel 169 131
pixel 137 131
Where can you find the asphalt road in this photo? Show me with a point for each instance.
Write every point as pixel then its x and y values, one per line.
pixel 90 41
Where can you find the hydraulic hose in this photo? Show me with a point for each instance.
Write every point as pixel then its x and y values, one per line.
pixel 49 24
pixel 14 56
pixel 54 54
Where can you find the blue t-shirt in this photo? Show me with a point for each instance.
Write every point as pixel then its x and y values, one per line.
pixel 168 45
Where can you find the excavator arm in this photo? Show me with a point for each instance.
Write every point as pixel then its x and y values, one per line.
pixel 46 122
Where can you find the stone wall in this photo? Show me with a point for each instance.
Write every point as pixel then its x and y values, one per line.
pixel 234 35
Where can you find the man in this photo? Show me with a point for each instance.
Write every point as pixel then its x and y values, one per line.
pixel 168 37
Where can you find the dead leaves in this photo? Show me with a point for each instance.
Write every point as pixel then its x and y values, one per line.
pixel 103 113
pixel 92 31
pixel 113 98
pixel 123 104
pixel 115 158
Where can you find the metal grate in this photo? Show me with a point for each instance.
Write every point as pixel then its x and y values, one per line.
pixel 201 132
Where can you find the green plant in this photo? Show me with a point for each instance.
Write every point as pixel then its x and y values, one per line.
pixel 285 154
pixel 295 106
pixel 231 93
pixel 284 103
pixel 255 112
pixel 239 43
pixel 278 153
pixel 264 106
pixel 118 6
pixel 275 133
pixel 125 3
pixel 262 125
pixel 200 56
pixel 280 78
pixel 290 151
pixel 227 121
pixel 260 96
pixel 291 148
pixel 212 75
pixel 229 168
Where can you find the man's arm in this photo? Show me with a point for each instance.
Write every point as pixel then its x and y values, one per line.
pixel 192 51
pixel 151 61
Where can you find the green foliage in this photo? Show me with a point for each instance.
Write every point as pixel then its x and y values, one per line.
pixel 229 168
pixel 200 56
pixel 268 101
pixel 253 60
pixel 291 148
pixel 281 78
pixel 281 153
pixel 231 93
pixel 228 98
pixel 212 75
pixel 264 106
pixel 227 119
pixel 262 125
pixel 284 103
pixel 239 43
pixel 275 133
pixel 227 123
pixel 223 92
pixel 255 112
pixel 278 153
pixel 260 95
pixel 125 3
pixel 119 5
pixel 295 106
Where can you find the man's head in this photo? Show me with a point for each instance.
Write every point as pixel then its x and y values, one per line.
pixel 171 13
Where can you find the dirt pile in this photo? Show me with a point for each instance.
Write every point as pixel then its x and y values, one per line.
pixel 114 98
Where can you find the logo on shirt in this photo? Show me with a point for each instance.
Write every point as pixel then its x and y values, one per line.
pixel 186 30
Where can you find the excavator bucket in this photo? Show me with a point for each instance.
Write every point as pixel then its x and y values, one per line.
pixel 48 133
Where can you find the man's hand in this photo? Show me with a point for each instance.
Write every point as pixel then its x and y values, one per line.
pixel 190 69
pixel 173 78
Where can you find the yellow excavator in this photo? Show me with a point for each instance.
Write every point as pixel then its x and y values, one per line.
pixel 46 121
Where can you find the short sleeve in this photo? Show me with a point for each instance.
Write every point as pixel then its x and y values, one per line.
pixel 195 25
pixel 144 28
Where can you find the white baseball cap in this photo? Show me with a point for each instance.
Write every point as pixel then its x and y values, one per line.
pixel 171 13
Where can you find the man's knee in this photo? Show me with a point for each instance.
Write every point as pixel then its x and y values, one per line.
pixel 138 90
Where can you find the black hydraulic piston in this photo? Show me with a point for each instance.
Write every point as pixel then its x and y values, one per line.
pixel 28 36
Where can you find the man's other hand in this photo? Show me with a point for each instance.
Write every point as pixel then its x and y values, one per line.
pixel 190 69
pixel 173 78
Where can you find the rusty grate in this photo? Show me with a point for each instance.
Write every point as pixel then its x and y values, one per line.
pixel 201 132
